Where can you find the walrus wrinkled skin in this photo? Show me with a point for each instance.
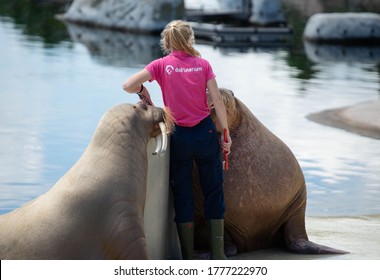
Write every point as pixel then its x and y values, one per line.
pixel 264 189
pixel 95 211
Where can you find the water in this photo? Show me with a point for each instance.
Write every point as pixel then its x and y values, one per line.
pixel 53 94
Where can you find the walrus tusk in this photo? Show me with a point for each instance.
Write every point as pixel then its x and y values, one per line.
pixel 164 136
pixel 161 140
pixel 158 139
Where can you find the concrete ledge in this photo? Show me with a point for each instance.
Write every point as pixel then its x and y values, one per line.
pixel 363 118
pixel 343 27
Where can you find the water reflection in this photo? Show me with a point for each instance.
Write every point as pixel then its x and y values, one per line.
pixel 50 102
pixel 348 53
pixel 37 19
pixel 117 48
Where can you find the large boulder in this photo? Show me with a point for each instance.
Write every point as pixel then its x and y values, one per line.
pixel 149 16
pixel 343 27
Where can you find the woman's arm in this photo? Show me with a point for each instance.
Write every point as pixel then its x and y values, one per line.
pixel 220 111
pixel 133 84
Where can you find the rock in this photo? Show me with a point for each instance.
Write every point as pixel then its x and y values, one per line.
pixel 149 16
pixel 343 27
pixel 362 118
pixel 266 13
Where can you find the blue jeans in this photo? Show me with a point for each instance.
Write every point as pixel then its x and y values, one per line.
pixel 199 143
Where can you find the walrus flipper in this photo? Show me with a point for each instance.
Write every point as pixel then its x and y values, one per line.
pixel 296 238
pixel 308 247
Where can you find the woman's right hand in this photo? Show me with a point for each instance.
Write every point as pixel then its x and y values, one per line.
pixel 145 97
pixel 226 146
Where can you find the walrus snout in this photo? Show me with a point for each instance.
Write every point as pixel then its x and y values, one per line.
pixel 162 124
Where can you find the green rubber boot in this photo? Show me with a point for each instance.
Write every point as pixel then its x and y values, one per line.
pixel 186 239
pixel 216 232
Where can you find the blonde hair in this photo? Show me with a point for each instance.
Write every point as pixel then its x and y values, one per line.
pixel 168 119
pixel 178 35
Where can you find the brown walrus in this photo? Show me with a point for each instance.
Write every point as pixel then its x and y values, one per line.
pixel 96 210
pixel 264 189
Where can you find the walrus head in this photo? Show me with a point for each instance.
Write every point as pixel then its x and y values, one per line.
pixel 134 122
pixel 162 125
pixel 233 115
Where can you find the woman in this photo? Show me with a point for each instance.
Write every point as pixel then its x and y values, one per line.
pixel 184 78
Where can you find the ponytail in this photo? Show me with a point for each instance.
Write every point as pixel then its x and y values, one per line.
pixel 178 35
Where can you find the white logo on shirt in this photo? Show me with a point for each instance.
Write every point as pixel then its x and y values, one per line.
pixel 169 69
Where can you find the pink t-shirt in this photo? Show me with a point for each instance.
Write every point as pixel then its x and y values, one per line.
pixel 183 81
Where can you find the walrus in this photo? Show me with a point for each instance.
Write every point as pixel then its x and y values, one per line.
pixel 95 211
pixel 264 190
